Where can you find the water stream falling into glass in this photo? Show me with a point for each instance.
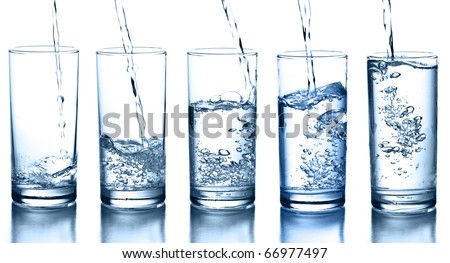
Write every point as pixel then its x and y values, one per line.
pixel 56 49
pixel 249 86
pixel 128 48
pixel 305 14
pixel 387 22
pixel 60 97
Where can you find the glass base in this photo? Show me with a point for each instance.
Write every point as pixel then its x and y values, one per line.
pixel 223 197
pixel 404 201
pixel 44 198
pixel 312 200
pixel 139 199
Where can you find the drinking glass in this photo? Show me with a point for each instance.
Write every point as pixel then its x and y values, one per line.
pixel 132 120
pixel 312 113
pixel 222 127
pixel 403 130
pixel 44 105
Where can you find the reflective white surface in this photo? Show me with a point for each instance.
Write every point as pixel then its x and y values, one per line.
pixel 269 27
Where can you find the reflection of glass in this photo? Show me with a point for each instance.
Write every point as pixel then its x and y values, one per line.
pixel 312 227
pixel 32 225
pixel 133 226
pixel 222 226
pixel 403 228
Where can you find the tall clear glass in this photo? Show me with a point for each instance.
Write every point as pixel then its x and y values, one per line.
pixel 132 121
pixel 44 104
pixel 312 129
pixel 403 131
pixel 222 127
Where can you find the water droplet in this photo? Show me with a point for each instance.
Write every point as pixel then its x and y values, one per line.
pixel 395 75
pixel 204 150
pixel 391 90
pixel 407 111
pixel 389 149
pixel 421 137
pixel 239 149
pixel 224 152
pixel 60 99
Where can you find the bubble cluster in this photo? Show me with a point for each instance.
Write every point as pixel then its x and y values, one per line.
pixel 230 159
pixel 129 165
pixel 398 115
pixel 47 172
pixel 334 123
pixel 322 153
pixel 323 169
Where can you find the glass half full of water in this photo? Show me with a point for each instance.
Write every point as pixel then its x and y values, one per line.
pixel 43 102
pixel 222 127
pixel 312 116
pixel 131 108
pixel 403 131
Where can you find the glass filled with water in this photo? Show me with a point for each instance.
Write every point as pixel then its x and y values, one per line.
pixel 222 127
pixel 43 103
pixel 403 130
pixel 312 114
pixel 131 108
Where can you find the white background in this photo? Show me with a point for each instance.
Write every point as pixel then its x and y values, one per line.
pixel 269 27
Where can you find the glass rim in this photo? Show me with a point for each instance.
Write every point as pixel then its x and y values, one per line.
pixel 290 54
pixel 220 51
pixel 404 55
pixel 42 49
pixel 136 50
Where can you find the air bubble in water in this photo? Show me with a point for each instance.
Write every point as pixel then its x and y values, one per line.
pixel 395 75
pixel 421 137
pixel 224 152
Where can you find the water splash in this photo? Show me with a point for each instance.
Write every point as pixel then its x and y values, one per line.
pixel 128 165
pixel 249 86
pixel 128 48
pixel 319 149
pixel 387 22
pixel 305 14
